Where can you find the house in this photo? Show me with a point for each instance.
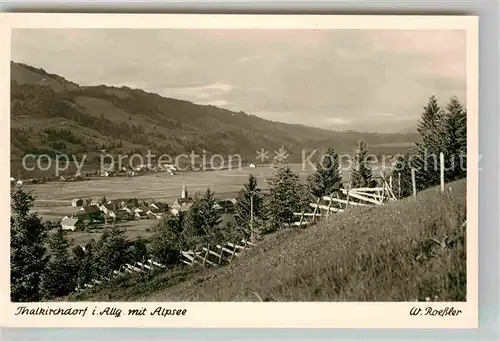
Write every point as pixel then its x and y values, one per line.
pixel 159 206
pixel 90 213
pixel 127 209
pixel 123 215
pixel 175 210
pixel 105 173
pixel 69 224
pixel 181 205
pixel 89 209
pixel 106 208
pixel 252 165
pixel 76 202
pixel 156 213
pixel 227 206
pixel 111 214
pixel 140 215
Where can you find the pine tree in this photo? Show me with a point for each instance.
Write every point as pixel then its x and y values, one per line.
pixel 203 220
pixel 86 269
pixel 428 145
pixel 327 178
pixel 361 171
pixel 60 276
pixel 112 250
pixel 139 249
pixel 454 132
pixel 249 206
pixel 27 250
pixel 166 243
pixel 283 200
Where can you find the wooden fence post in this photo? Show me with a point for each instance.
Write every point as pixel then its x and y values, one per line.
pixel 220 256
pixel 382 192
pixel 347 203
pixel 441 159
pixel 316 209
pixel 413 181
pixel 329 205
pixel 234 251
pixel 206 256
pixel 301 219
pixel 399 184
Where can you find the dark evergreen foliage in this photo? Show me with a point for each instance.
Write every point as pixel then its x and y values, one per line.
pixel 327 178
pixel 27 250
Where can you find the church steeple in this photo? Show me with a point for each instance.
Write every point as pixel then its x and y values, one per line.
pixel 184 192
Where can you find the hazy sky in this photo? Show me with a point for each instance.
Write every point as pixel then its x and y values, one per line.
pixel 333 79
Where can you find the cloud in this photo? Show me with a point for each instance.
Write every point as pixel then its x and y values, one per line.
pixel 337 120
pixel 361 79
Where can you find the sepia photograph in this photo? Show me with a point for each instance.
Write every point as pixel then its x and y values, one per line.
pixel 240 164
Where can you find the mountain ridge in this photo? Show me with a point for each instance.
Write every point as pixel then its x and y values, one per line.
pixel 50 114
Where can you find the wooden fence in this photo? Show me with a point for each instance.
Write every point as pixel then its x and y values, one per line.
pixel 147 265
pixel 341 201
pixel 207 257
pixel 222 254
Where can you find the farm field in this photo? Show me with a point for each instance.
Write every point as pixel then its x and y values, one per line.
pixel 133 229
pixel 53 203
pixel 158 185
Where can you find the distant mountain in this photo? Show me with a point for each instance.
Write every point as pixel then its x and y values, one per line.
pixel 50 114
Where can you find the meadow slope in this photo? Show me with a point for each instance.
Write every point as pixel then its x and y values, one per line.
pixel 366 254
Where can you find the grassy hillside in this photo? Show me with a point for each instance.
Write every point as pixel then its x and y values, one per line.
pixel 45 107
pixel 366 254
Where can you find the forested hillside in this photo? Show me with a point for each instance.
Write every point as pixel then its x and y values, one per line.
pixel 50 114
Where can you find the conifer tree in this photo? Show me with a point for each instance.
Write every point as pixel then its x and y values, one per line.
pixel 166 243
pixel 454 129
pixel 327 178
pixel 27 250
pixel 60 276
pixel 249 206
pixel 361 171
pixel 112 250
pixel 428 145
pixel 139 249
pixel 402 170
pixel 202 221
pixel 86 268
pixel 283 199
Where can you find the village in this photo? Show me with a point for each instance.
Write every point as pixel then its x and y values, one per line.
pixel 92 213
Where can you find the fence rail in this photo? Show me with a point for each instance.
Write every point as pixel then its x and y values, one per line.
pixel 360 197
pixel 213 258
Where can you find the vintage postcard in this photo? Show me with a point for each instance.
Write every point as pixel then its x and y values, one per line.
pixel 239 171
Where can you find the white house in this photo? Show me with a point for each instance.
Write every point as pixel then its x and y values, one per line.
pixel 140 215
pixel 69 223
pixel 108 210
